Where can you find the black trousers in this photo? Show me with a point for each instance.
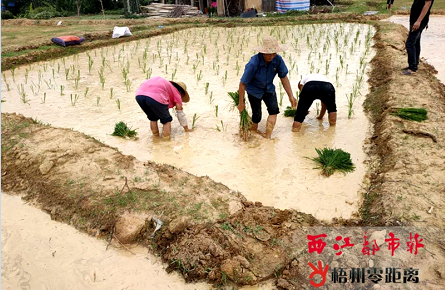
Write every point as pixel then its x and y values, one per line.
pixel 413 46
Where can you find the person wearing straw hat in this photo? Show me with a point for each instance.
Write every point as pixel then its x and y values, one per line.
pixel 156 96
pixel 257 80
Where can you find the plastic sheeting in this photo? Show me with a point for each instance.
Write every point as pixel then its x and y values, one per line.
pixel 286 5
pixel 121 31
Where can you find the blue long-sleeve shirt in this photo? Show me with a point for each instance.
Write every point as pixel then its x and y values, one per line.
pixel 258 77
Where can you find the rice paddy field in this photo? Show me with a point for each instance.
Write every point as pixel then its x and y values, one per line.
pixel 246 226
pixel 91 92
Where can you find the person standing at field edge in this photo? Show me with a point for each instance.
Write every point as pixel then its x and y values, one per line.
pixel 389 4
pixel 156 96
pixel 418 21
pixel 257 80
pixel 313 87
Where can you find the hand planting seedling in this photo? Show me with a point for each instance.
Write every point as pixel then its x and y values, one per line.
pixel 121 130
pixel 329 160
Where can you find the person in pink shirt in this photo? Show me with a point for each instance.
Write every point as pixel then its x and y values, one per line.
pixel 156 96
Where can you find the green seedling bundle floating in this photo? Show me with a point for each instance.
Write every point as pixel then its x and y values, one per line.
pixel 413 114
pixel 245 121
pixel 121 129
pixel 329 160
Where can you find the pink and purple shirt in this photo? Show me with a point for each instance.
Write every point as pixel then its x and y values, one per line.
pixel 160 90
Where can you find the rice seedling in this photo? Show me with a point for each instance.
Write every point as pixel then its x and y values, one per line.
pixel 44 98
pixel 122 130
pixel 76 80
pixel 58 67
pixel 128 85
pixel 351 99
pixel 97 101
pixel 174 74
pixel 90 63
pixel 329 160
pixel 74 99
pixel 67 72
pixel 86 92
pixel 13 73
pixel 222 126
pixel 102 77
pixel 149 72
pixel 195 119
pixel 216 110
pixel 206 87
pixel 62 87
pixel 26 76
pixel 245 120
pixel 199 76
pixel 289 112
pixel 111 93
pixel 118 103
pixel 211 97
pixel 412 114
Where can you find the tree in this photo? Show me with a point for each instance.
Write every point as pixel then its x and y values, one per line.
pixel 131 7
pixel 78 5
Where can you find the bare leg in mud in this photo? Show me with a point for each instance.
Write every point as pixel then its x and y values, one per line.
pixel 271 120
pixel 166 131
pixel 154 128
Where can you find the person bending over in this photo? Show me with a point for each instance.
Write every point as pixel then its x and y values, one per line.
pixel 156 96
pixel 315 87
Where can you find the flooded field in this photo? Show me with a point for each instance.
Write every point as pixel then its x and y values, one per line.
pixel 90 92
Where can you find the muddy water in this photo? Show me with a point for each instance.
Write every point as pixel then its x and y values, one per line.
pixel 432 40
pixel 57 256
pixel 274 172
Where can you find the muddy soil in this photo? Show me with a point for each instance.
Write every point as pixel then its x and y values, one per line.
pixel 406 189
pixel 280 175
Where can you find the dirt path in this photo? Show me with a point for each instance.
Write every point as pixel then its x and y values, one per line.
pixel 432 43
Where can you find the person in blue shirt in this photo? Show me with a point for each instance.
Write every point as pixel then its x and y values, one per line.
pixel 257 80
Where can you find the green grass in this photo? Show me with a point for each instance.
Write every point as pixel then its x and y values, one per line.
pixel 122 130
pixel 413 114
pixel 27 51
pixel 330 160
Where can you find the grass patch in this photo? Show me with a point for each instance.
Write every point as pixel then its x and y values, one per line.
pixel 122 130
pixel 413 114
pixel 289 112
pixel 329 160
pixel 27 51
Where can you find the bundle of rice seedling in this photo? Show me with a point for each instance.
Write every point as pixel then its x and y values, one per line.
pixel 289 112
pixel 245 121
pixel 122 130
pixel 413 114
pixel 333 159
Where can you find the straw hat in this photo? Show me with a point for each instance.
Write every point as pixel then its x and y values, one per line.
pixel 186 97
pixel 270 45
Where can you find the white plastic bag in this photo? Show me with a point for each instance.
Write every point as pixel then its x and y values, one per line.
pixel 121 31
